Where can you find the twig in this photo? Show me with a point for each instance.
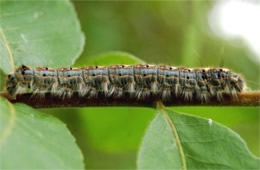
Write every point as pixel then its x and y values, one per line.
pixel 244 99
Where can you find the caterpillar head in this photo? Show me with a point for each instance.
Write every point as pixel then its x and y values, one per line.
pixel 18 79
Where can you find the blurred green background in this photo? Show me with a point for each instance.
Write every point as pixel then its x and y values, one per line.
pixel 163 32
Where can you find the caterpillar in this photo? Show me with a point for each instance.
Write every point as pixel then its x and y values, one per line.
pixel 136 82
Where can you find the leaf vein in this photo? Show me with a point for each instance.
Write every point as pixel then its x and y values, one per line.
pixel 203 161
pixel 208 141
pixel 182 155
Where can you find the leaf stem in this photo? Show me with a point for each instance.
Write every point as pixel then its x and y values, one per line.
pixel 177 139
pixel 243 99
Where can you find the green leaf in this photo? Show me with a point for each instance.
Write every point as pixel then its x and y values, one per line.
pixel 110 58
pixel 244 120
pixel 30 139
pixel 180 141
pixel 39 33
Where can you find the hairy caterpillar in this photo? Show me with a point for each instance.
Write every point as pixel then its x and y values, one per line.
pixel 137 82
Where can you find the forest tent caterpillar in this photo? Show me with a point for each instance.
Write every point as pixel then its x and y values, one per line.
pixel 137 82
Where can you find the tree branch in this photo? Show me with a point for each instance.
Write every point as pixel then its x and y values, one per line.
pixel 244 99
